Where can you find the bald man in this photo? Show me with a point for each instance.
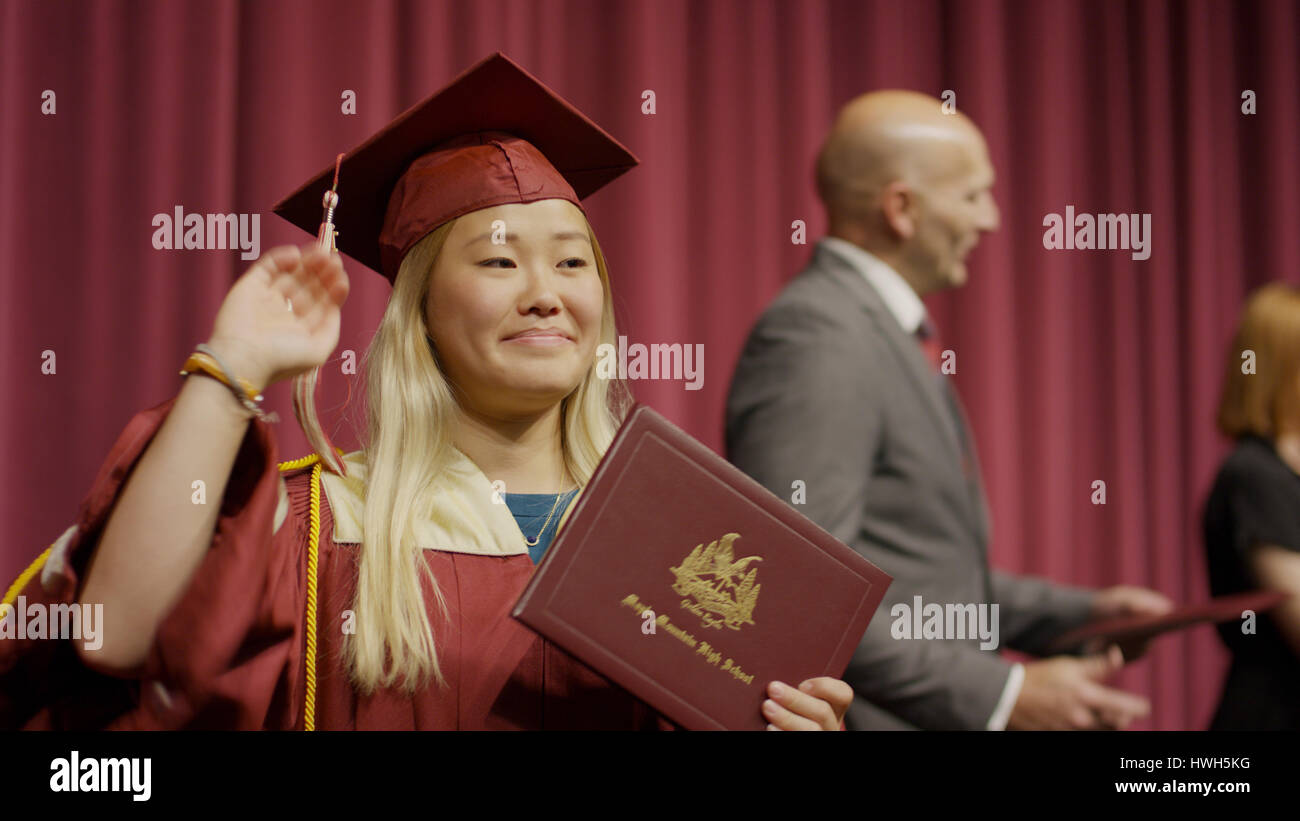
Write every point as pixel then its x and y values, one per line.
pixel 839 403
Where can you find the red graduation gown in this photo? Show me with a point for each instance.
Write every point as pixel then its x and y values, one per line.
pixel 233 654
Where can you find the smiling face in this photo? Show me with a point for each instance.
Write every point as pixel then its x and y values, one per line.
pixel 516 324
pixel 955 204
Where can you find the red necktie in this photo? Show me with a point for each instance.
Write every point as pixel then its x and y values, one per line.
pixel 928 336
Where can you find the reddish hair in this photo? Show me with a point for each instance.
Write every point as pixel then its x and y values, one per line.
pixel 1266 402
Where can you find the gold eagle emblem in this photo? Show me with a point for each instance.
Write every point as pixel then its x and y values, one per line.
pixel 723 592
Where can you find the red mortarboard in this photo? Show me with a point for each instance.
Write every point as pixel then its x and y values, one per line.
pixel 494 135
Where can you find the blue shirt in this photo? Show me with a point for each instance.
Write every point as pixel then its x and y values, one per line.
pixel 530 511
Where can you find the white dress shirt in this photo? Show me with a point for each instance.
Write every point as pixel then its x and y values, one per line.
pixel 908 309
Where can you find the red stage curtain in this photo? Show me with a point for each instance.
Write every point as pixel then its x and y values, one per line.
pixel 1074 366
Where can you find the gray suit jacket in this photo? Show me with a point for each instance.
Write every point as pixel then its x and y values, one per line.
pixel 831 391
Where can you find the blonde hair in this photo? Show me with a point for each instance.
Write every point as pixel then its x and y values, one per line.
pixel 411 412
pixel 1266 402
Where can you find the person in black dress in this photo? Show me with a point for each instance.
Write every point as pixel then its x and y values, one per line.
pixel 1252 515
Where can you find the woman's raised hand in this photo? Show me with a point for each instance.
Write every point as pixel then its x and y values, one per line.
pixel 281 317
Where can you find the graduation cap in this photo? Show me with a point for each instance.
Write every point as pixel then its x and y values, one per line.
pixel 495 135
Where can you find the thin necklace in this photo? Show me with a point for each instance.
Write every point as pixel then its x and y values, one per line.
pixel 533 541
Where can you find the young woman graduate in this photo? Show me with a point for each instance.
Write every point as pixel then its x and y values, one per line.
pixel 371 591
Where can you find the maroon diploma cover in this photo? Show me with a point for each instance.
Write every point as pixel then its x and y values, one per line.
pixel 690 585
pixel 1138 628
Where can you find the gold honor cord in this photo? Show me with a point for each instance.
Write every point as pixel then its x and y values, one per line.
pixel 313 544
pixel 313 551
pixel 11 595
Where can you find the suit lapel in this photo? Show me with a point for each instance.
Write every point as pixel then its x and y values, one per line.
pixel 979 508
pixel 905 349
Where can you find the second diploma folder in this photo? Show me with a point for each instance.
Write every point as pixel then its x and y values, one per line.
pixel 690 585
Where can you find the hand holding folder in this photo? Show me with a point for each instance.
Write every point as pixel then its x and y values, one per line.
pixel 689 584
pixel 1133 631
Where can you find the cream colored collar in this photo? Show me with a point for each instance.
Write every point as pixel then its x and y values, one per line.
pixel 467 516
